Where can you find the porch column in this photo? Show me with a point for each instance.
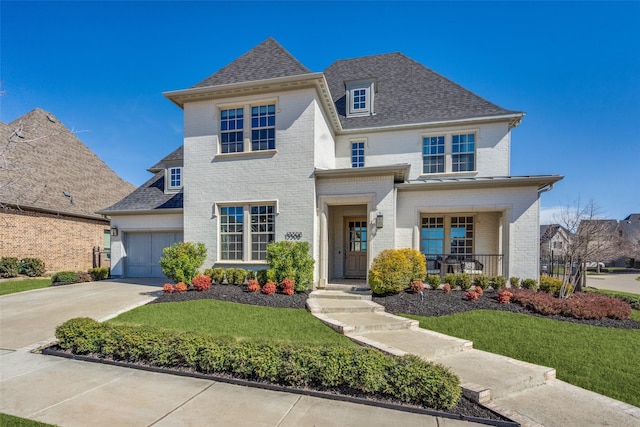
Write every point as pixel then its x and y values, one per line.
pixel 324 248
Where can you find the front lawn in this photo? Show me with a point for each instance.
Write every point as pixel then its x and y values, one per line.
pixel 604 360
pixel 238 320
pixel 10 420
pixel 14 286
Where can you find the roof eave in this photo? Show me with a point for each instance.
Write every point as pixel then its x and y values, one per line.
pixel 141 211
pixel 19 207
pixel 539 181
pixel 399 172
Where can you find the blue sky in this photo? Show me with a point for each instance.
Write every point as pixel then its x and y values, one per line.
pixel 573 67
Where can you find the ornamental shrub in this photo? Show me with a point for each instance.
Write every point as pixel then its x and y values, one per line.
pixel 293 260
pixel 498 282
pixel 269 288
pixel 450 278
pixel 433 280
pixel 478 290
pixel 251 274
pixel 230 275
pixel 463 280
pixel 99 273
pixel 530 284
pixel 417 286
pixel 217 275
pixel 201 282
pixel 261 276
pixel 390 272
pixel 168 288
pixel 471 295
pixel 181 261
pixel 253 285
pixel 514 282
pixel 34 267
pixel 83 277
pixel 504 296
pixel 64 278
pixel 446 288
pixel 9 267
pixel 287 286
pixel 550 285
pixel 482 281
pixel 181 287
pixel 239 276
pixel 581 305
pixel 418 263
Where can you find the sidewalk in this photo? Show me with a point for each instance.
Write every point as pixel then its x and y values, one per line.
pixel 526 393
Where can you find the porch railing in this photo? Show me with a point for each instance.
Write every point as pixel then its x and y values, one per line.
pixel 474 264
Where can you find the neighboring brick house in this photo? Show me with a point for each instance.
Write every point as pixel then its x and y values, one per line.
pixel 375 152
pixel 51 186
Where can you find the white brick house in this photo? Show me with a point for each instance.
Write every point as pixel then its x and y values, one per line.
pixel 373 153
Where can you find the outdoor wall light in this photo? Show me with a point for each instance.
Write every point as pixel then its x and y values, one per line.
pixel 379 220
pixel 114 231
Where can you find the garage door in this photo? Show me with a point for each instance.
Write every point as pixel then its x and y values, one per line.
pixel 144 251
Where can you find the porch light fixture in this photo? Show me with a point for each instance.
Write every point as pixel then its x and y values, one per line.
pixel 114 231
pixel 379 220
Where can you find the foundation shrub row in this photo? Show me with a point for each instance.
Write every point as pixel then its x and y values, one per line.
pixel 581 305
pixel 12 267
pixel 354 370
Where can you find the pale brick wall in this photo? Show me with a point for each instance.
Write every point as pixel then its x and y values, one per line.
pixel 405 146
pixel 62 242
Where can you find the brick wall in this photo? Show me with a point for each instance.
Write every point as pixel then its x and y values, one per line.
pixel 63 243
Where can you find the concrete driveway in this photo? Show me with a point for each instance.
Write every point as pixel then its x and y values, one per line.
pixel 615 282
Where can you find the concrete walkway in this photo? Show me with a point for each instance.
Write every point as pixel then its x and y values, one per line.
pixel 526 393
pixel 72 393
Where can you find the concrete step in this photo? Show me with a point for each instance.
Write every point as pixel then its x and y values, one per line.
pixel 358 323
pixel 486 376
pixel 421 342
pixel 335 305
pixel 338 294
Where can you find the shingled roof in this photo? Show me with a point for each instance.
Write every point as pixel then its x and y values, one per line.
pixel 407 92
pixel 44 166
pixel 151 196
pixel 268 60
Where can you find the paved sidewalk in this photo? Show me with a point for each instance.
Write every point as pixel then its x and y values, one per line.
pixel 71 393
pixel 623 282
pixel 527 393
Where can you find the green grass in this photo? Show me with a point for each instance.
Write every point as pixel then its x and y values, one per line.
pixel 10 420
pixel 604 360
pixel 14 286
pixel 238 320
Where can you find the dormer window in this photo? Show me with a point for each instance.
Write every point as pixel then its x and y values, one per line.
pixel 359 98
pixel 174 179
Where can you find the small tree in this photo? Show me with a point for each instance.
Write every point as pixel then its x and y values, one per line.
pixel 180 262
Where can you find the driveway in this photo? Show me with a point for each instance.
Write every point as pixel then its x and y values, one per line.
pixel 615 282
pixel 29 318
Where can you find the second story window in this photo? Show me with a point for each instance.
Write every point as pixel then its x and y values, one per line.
pixel 357 154
pixel 263 127
pixel 449 153
pixel 433 154
pixel 231 126
pixel 463 149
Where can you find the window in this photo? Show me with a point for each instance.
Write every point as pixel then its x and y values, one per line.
pixel 263 220
pixel 463 149
pixel 433 154
pixel 359 98
pixel 106 239
pixel 263 127
pixel 357 236
pixel 231 125
pixel 175 177
pixel 233 234
pixel 448 154
pixel 357 154
pixel 446 235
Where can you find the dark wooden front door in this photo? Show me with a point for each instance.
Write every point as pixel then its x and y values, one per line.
pixel 355 265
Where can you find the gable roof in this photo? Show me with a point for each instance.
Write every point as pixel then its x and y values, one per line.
pixel 46 167
pixel 151 196
pixel 266 61
pixel 406 92
pixel 630 227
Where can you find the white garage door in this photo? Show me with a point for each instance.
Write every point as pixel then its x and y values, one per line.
pixel 144 251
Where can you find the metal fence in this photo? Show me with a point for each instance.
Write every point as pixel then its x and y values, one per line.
pixel 474 264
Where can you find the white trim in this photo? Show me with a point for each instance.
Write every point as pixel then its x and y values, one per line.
pixel 216 205
pixel 168 188
pixel 368 85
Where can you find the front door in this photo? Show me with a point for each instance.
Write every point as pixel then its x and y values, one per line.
pixel 355 265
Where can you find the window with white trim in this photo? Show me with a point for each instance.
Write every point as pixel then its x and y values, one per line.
pixel 234 235
pixel 359 98
pixel 231 130
pixel 449 153
pixel 446 234
pixel 433 154
pixel 173 179
pixel 463 152
pixel 263 127
pixel 357 154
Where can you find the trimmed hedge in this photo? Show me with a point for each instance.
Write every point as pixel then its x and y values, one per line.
pixel 9 267
pixel 581 305
pixel 357 370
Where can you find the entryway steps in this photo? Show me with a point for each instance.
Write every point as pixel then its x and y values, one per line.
pixel 421 342
pixel 341 294
pixel 335 305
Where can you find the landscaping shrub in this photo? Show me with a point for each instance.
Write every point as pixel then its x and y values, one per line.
pixel 390 272
pixel 64 278
pixel 417 286
pixel 450 278
pixel 201 282
pixel 99 273
pixel 251 274
pixel 504 296
pixel 83 277
pixel 230 275
pixel 479 290
pixel 356 370
pixel 530 284
pixel 418 265
pixel 482 281
pixel 181 261
pixel 217 275
pixel 33 267
pixel 287 286
pixel 168 288
pixel 446 288
pixel 269 288
pixel 271 275
pixel 433 280
pixel 293 260
pixel 181 287
pixel 498 282
pixel 261 276
pixel 514 282
pixel 239 275
pixel 9 267
pixel 471 295
pixel 550 285
pixel 253 285
pixel 581 305
pixel 463 280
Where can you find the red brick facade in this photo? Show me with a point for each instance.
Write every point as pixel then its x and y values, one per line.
pixel 62 242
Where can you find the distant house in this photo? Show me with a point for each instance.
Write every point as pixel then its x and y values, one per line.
pixel 630 231
pixel 554 240
pixel 51 186
pixel 372 153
